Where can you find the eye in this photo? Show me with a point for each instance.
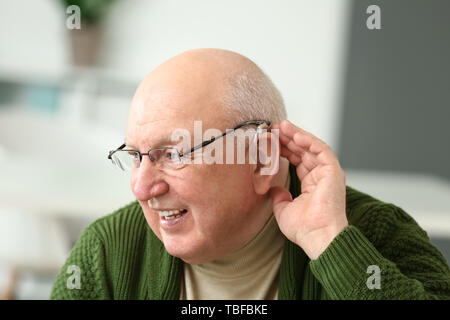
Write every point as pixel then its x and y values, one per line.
pixel 135 158
pixel 171 154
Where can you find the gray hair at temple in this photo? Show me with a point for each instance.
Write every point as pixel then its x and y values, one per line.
pixel 251 95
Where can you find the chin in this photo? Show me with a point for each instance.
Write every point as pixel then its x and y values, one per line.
pixel 187 253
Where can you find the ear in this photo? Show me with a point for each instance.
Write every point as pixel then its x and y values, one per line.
pixel 268 161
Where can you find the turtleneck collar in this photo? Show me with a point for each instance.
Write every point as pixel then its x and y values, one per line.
pixel 256 254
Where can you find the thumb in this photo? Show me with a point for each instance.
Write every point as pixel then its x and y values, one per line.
pixel 281 197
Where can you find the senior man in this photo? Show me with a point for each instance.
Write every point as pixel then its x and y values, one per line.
pixel 227 230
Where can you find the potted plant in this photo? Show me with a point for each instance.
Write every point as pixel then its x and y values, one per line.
pixel 86 41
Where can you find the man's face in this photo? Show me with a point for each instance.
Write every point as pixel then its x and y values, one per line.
pixel 220 202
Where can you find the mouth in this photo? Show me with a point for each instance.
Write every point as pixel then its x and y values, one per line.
pixel 171 214
pixel 171 218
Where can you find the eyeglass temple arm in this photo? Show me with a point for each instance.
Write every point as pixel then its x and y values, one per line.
pixel 119 148
pixel 205 143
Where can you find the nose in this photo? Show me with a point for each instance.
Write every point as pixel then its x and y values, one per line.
pixel 147 182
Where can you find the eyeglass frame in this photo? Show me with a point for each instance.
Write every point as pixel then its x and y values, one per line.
pixel 203 144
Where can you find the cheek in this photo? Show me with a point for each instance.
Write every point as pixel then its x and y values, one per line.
pixel 133 181
pixel 220 191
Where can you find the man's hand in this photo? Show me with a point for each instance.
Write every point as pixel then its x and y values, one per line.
pixel 317 215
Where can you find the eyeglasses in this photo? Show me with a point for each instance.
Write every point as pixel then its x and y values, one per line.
pixel 169 157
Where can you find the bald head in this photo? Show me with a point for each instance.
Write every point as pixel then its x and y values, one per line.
pixel 209 68
pixel 209 85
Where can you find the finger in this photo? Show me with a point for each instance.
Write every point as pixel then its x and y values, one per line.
pixel 292 157
pixel 302 143
pixel 289 129
pixel 281 197
pixel 290 144
pixel 293 147
pixel 297 155
pixel 310 161
pixel 285 152
pixel 283 138
pixel 308 142
pixel 314 146
pixel 307 162
pixel 302 171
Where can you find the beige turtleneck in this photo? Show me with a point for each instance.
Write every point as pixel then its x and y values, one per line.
pixel 248 273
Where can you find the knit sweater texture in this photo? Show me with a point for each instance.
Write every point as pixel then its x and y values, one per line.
pixel 119 257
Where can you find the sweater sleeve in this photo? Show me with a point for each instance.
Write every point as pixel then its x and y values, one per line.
pixel 403 265
pixel 83 275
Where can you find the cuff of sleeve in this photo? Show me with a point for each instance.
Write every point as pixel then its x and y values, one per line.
pixel 343 264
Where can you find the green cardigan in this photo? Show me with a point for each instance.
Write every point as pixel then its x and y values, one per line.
pixel 119 257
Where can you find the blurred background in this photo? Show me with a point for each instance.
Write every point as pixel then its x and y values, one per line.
pixel 379 97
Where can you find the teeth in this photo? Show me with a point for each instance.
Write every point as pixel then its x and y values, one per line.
pixel 170 214
pixel 173 217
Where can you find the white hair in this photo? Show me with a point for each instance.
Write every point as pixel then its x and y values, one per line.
pixel 251 95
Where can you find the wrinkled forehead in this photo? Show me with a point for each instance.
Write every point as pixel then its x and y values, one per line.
pixel 154 116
